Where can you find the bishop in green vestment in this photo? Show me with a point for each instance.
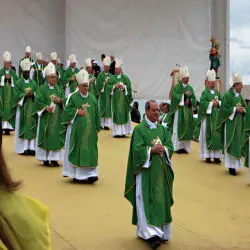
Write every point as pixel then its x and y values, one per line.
pixel 70 84
pixel 232 117
pixel 121 100
pixel 149 180
pixel 208 119
pixel 37 70
pixel 103 91
pixel 82 118
pixel 50 101
pixel 92 79
pixel 59 70
pixel 26 117
pixel 8 79
pixel 180 117
pixel 27 56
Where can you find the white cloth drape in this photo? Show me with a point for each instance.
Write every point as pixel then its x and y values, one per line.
pixel 123 129
pixel 176 143
pixel 106 122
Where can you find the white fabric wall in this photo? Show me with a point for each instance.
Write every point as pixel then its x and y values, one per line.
pixel 38 23
pixel 151 37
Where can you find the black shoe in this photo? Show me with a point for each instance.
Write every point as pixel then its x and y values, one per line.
pixel 26 152
pixel 106 128
pixel 217 161
pixel 46 163
pixel 181 151
pixel 55 163
pixel 32 152
pixel 208 160
pixel 154 242
pixel 7 132
pixel 232 171
pixel 91 180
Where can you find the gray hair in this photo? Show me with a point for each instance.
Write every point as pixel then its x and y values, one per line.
pixel 147 104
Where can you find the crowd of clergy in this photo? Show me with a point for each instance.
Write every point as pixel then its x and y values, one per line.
pixel 58 112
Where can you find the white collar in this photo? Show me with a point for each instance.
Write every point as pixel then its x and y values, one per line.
pixel 106 73
pixel 51 87
pixel 150 124
pixel 26 81
pixel 236 94
pixel 184 85
pixel 7 71
pixel 119 76
pixel 212 91
pixel 84 96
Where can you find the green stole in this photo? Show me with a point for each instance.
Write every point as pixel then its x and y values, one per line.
pixel 92 84
pixel 28 115
pixel 66 79
pixel 120 101
pixel 157 180
pixel 214 132
pixel 105 96
pixel 234 128
pixel 8 98
pixel 83 150
pixel 51 135
pixel 185 113
pixel 38 78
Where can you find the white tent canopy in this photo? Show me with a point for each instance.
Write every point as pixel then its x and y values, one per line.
pixel 151 36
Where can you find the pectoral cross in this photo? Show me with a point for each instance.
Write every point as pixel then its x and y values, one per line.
pixel 85 106
pixel 156 141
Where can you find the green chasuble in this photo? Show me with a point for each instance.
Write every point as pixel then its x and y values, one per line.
pixel 157 180
pixel 120 101
pixel 51 135
pixel 38 74
pixel 66 79
pixel 214 132
pixel 185 113
pixel 8 96
pixel 245 145
pixel 92 84
pixel 28 115
pixel 20 72
pixel 83 150
pixel 234 128
pixel 103 94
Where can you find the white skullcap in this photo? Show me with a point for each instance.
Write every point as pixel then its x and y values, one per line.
pixel 25 64
pixel 211 75
pixel 72 58
pixel 118 63
pixel 88 62
pixel 184 72
pixel 28 49
pixel 58 60
pixel 50 69
pixel 53 56
pixel 39 56
pixel 237 78
pixel 82 77
pixel 6 56
pixel 107 61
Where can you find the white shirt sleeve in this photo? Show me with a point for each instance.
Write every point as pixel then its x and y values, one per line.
pixel 231 117
pixel 182 101
pixel 168 157
pixel 32 73
pixel 219 103
pixel 147 163
pixel 210 107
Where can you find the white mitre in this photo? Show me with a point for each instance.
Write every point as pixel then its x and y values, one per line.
pixel 211 75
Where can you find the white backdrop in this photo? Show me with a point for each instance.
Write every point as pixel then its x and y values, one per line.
pixel 151 37
pixel 38 23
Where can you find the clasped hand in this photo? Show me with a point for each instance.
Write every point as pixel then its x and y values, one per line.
pixel 240 109
pixel 157 149
pixel 82 112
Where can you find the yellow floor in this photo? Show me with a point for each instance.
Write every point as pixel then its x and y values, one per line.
pixel 211 211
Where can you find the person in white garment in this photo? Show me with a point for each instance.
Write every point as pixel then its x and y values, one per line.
pixel 209 118
pixel 26 118
pixel 121 100
pixel 50 101
pixel 27 56
pixel 82 118
pixel 8 79
pixel 149 180
pixel 233 111
pixel 180 118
